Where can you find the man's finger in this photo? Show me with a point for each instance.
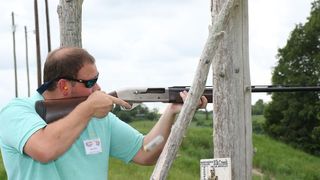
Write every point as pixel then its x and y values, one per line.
pixel 120 102
pixel 203 102
pixel 183 95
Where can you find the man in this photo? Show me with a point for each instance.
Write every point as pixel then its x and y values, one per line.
pixel 78 145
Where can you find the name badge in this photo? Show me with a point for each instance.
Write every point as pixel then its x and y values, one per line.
pixel 92 146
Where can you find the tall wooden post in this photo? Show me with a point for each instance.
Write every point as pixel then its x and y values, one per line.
pixel 69 12
pixel 231 92
pixel 14 54
pixel 48 26
pixel 27 59
pixel 36 22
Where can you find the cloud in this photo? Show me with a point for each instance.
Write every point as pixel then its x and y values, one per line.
pixel 270 24
pixel 147 43
pixel 151 31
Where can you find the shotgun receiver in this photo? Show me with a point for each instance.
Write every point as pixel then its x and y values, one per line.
pixel 54 109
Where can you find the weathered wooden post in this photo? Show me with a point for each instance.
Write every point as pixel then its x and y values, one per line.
pixel 216 33
pixel 70 12
pixel 231 93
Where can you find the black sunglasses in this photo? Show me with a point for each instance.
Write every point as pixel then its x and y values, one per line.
pixel 87 83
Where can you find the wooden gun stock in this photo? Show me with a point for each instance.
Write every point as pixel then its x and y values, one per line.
pixel 52 110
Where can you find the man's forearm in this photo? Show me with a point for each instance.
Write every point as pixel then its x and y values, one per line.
pixel 49 143
pixel 161 128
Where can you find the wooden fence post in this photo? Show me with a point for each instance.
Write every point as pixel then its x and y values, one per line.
pixel 231 92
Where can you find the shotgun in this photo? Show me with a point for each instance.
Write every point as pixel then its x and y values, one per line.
pixel 54 109
pixel 51 110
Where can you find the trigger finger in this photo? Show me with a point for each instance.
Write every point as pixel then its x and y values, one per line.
pixel 121 103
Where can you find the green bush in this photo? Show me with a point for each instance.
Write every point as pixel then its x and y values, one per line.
pixel 258 123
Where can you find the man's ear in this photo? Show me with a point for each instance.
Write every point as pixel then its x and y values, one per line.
pixel 63 86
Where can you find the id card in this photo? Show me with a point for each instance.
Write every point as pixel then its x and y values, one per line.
pixel 92 146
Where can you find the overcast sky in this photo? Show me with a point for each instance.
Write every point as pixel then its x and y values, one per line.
pixel 143 43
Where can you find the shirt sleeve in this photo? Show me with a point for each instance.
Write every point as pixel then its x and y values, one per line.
pixel 125 140
pixel 19 121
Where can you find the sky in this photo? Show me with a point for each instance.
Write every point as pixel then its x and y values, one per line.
pixel 143 43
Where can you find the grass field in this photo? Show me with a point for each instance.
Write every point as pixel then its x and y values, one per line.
pixel 3 174
pixel 281 161
pixel 273 159
pixel 196 145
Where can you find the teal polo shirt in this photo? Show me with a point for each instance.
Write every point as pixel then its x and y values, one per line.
pixel 82 161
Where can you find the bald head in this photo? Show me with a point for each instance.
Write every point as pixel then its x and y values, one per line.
pixel 65 62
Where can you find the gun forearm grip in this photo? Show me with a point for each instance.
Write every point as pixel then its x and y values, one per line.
pixel 52 110
pixel 174 96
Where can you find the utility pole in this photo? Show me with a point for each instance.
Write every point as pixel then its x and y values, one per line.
pixel 14 54
pixel 36 20
pixel 27 60
pixel 48 26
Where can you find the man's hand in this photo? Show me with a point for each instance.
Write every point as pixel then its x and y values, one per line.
pixel 176 108
pixel 162 128
pixel 101 103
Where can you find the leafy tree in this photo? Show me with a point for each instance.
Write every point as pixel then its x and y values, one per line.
pixel 295 117
pixel 258 107
pixel 139 112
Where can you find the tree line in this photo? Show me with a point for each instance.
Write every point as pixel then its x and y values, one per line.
pixel 294 117
pixel 140 112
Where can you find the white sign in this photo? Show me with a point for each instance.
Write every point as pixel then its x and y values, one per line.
pixel 215 169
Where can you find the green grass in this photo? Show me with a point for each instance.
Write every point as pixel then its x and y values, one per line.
pixel 3 174
pixel 274 159
pixel 195 146
pixel 281 161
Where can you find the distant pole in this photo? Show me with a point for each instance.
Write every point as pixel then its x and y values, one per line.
pixel 48 26
pixel 27 61
pixel 14 54
pixel 37 41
